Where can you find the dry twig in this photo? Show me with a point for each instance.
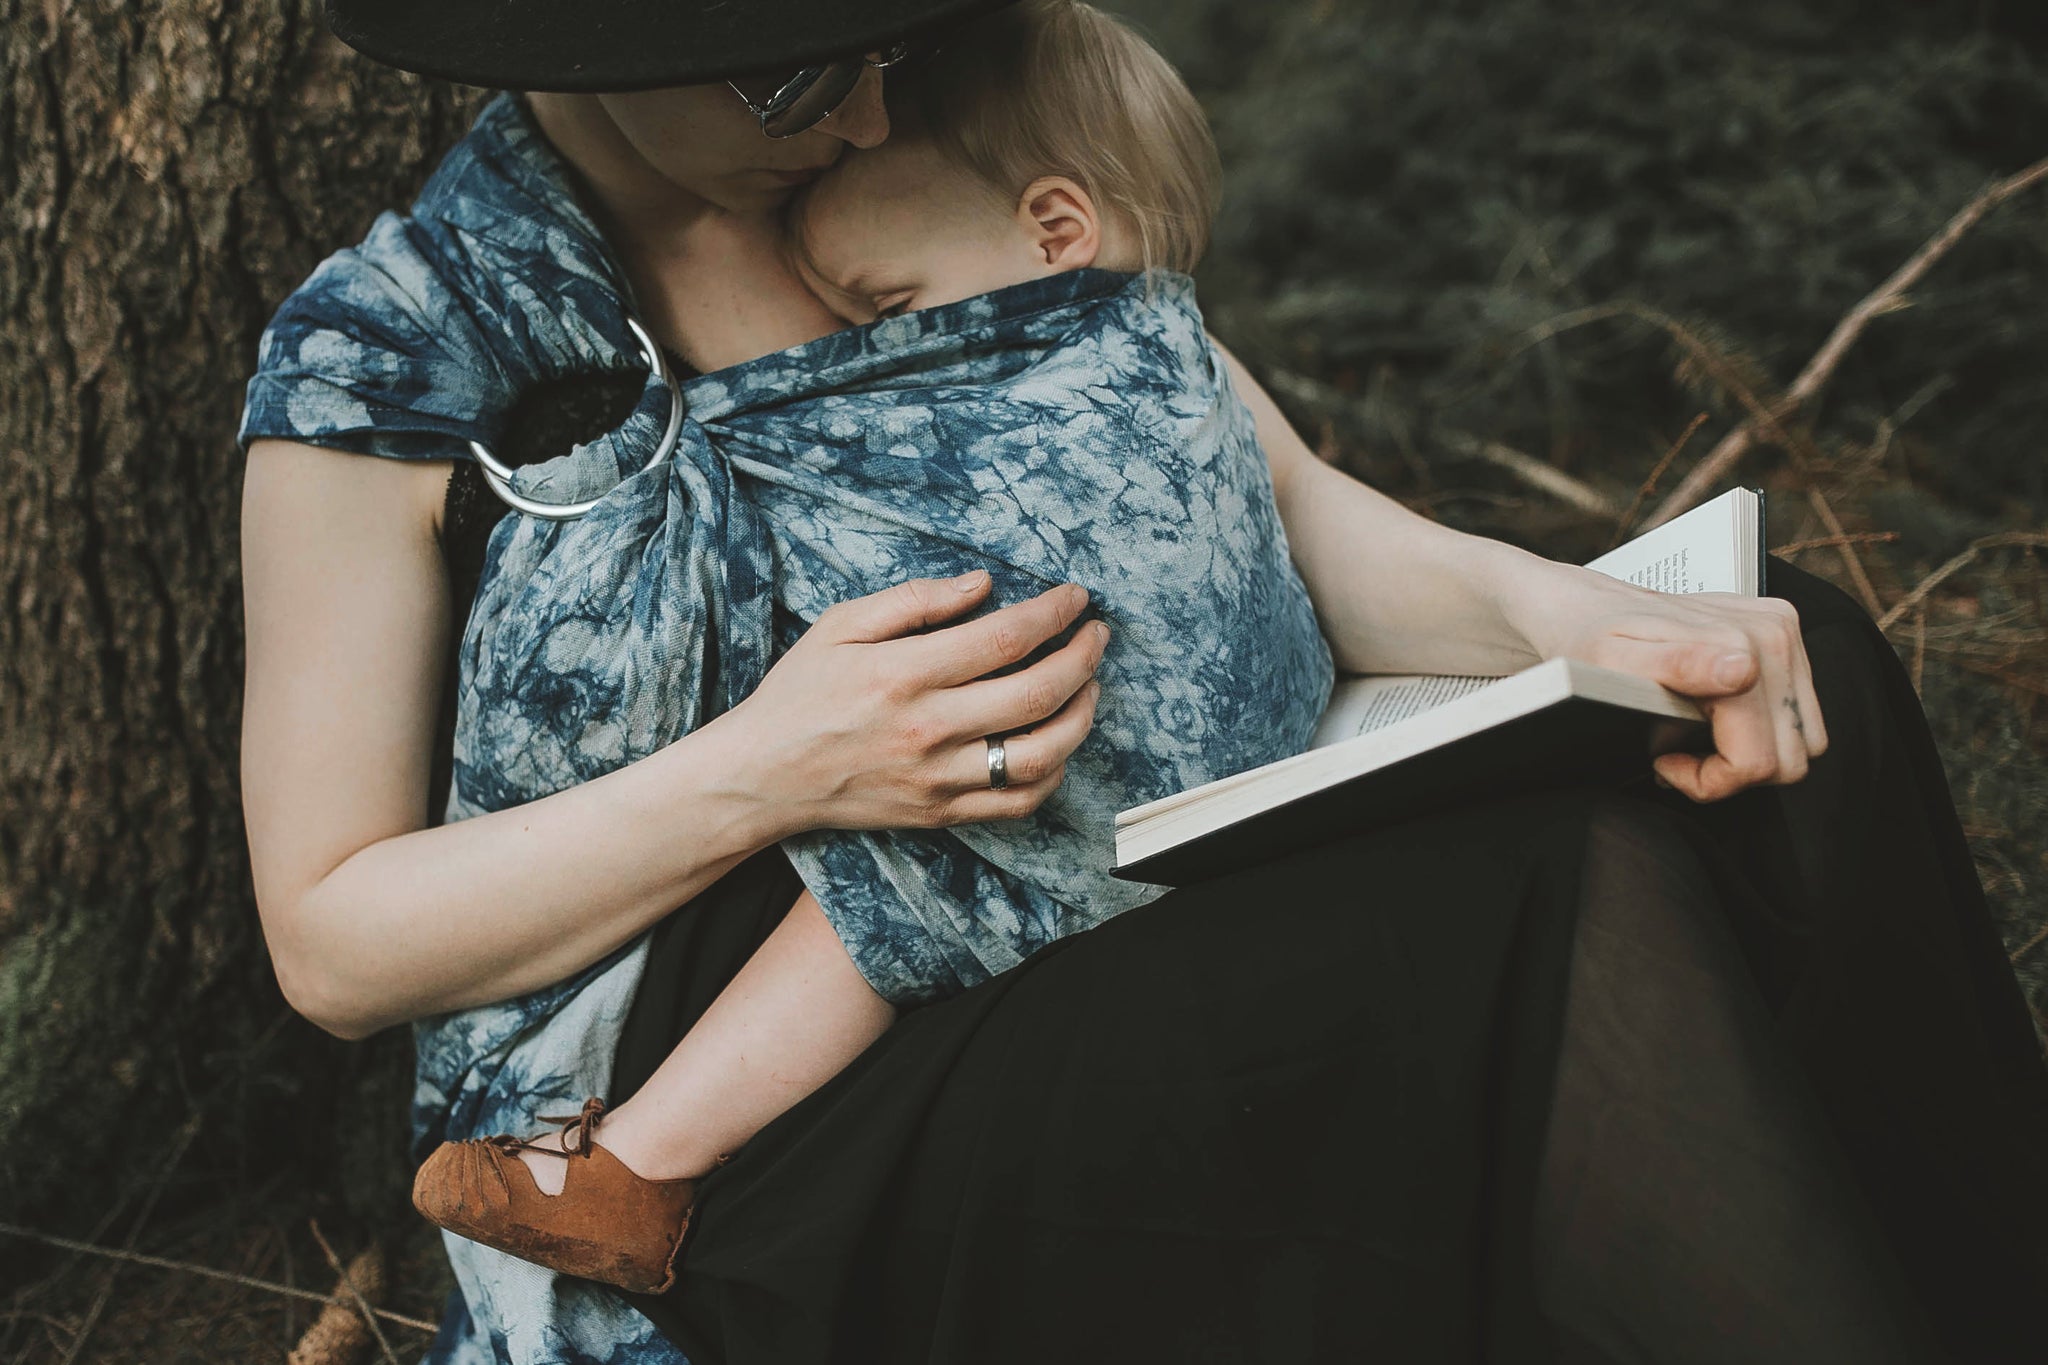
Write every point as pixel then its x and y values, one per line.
pixel 1709 357
pixel 1850 559
pixel 1565 322
pixel 1919 647
pixel 1969 552
pixel 106 1289
pixel 332 1338
pixel 191 1268
pixel 1727 374
pixel 2016 954
pixel 1635 505
pixel 1794 547
pixel 1538 474
pixel 2025 682
pixel 1888 297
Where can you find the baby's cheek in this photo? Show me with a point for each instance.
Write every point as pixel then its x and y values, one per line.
pixel 821 204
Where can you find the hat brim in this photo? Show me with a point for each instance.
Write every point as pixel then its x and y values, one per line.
pixel 607 45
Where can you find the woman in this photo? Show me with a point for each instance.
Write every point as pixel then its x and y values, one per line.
pixel 1564 1078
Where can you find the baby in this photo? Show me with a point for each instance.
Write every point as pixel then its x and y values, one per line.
pixel 1049 140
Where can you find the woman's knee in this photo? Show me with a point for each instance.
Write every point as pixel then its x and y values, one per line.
pixel 1642 878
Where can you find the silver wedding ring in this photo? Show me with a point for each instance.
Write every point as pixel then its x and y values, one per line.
pixel 998 765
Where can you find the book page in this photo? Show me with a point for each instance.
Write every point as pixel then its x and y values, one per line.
pixel 1673 573
pixel 1364 703
pixel 1693 553
pixel 1704 550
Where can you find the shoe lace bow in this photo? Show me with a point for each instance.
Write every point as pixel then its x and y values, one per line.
pixel 581 1126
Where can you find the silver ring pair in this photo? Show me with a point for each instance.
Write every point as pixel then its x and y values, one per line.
pixel 998 765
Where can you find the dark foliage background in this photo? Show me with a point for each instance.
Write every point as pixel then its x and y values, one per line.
pixel 1414 185
pixel 1445 222
pixel 1418 192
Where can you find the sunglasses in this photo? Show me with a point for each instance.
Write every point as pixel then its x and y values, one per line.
pixel 808 97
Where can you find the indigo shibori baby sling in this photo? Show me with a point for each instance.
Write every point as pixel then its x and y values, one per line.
pixel 1079 427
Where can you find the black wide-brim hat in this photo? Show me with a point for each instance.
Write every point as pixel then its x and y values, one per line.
pixel 588 45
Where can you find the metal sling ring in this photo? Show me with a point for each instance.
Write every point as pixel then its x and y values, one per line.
pixel 498 474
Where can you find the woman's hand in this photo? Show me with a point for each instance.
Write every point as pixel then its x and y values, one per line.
pixel 866 724
pixel 1741 659
pixel 1398 593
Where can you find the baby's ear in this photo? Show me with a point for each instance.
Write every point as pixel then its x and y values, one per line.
pixel 1065 232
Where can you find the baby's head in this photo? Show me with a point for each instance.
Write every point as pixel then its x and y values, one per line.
pixel 1046 138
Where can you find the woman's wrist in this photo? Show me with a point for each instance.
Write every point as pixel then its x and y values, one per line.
pixel 711 786
pixel 1547 603
pixel 722 783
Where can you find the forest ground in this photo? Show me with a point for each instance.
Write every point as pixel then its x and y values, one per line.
pixel 1495 259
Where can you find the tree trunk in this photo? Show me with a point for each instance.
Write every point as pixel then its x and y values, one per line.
pixel 169 170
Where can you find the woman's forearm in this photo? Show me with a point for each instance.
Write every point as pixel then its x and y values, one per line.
pixel 1394 591
pixel 372 919
pixel 873 719
pixel 494 906
pixel 1398 593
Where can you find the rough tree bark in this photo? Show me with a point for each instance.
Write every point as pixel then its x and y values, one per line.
pixel 168 171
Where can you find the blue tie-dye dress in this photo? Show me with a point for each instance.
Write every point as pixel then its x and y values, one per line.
pixel 1079 427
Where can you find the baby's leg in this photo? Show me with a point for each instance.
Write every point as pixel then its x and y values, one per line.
pixel 795 1015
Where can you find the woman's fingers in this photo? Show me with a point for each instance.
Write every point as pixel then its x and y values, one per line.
pixel 1016 701
pixel 1745 665
pixel 1786 690
pixel 865 724
pixel 1035 759
pixel 1720 676
pixel 1746 750
pixel 1806 720
pixel 911 605
pixel 971 649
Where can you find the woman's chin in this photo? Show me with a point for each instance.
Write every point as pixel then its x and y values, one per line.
pixel 755 192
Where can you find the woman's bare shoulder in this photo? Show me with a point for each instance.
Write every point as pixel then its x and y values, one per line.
pixel 345 601
pixel 288 483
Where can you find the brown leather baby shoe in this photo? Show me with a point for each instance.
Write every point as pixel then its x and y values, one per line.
pixel 607 1223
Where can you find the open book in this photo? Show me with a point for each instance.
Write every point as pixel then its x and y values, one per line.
pixel 1391 746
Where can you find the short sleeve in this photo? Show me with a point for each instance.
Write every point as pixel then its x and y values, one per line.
pixel 376 353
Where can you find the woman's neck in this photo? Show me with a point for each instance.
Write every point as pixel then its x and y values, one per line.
pixel 714 287
pixel 642 212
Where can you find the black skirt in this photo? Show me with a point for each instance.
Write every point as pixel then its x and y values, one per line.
pixel 1583 1076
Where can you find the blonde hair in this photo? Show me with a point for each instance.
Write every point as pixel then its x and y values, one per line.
pixel 1057 87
